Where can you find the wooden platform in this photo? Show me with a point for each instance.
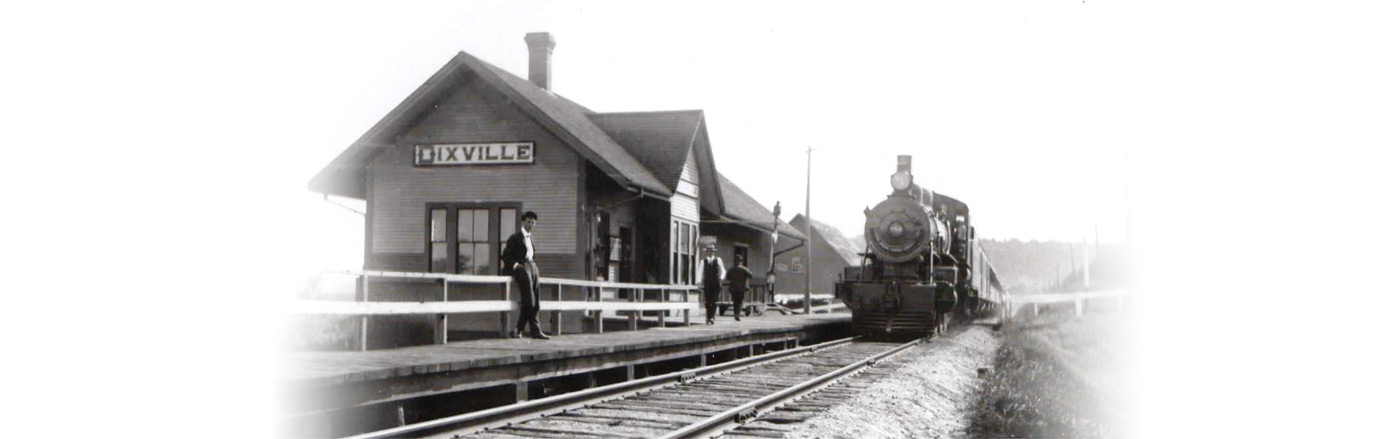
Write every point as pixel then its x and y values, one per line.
pixel 328 380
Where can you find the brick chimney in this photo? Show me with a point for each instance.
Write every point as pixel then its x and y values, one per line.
pixel 541 46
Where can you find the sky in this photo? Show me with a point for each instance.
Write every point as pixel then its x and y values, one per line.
pixel 158 154
pixel 1014 111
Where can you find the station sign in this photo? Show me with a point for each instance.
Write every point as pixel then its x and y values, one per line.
pixel 461 154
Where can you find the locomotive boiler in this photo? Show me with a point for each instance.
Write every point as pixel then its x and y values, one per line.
pixel 922 267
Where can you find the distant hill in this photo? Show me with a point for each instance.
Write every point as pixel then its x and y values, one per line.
pixel 1048 266
pixel 1044 266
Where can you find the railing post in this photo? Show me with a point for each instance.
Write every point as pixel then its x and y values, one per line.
pixel 364 320
pixel 597 294
pixel 440 335
pixel 1078 304
pixel 505 316
pixel 633 315
pixel 1035 309
pixel 661 315
pixel 685 297
pixel 558 315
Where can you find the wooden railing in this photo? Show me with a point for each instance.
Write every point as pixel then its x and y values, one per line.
pixel 551 301
pixel 1014 301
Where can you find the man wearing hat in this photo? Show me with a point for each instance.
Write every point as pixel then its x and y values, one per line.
pixel 518 258
pixel 711 273
pixel 738 280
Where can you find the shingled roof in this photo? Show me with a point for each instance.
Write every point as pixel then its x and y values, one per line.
pixel 568 120
pixel 739 207
pixel 660 140
pixel 826 232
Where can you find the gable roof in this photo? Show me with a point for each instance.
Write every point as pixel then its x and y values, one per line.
pixel 739 207
pixel 345 176
pixel 660 140
pixel 826 232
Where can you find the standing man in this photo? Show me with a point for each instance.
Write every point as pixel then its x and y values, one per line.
pixel 738 279
pixel 711 272
pixel 519 260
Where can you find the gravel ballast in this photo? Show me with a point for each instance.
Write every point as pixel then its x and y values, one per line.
pixel 929 396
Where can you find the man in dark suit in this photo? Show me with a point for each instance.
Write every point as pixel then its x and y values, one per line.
pixel 738 279
pixel 519 260
pixel 711 275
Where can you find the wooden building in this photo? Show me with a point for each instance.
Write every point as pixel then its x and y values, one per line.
pixel 831 252
pixel 447 173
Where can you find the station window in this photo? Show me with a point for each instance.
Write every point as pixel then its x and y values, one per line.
pixel 684 252
pixel 675 252
pixel 462 237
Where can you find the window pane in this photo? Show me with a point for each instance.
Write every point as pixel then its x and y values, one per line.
pixel 685 272
pixel 483 258
pixel 465 260
pixel 439 225
pixel 464 225
pixel 483 226
pixel 508 217
pixel 439 261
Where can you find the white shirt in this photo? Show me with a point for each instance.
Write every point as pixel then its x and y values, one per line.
pixel 529 245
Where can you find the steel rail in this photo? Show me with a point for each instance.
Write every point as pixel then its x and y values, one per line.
pixel 720 423
pixel 477 421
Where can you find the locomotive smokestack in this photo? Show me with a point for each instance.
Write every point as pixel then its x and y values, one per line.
pixel 904 164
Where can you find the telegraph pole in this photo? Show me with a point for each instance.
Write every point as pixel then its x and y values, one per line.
pixel 807 296
pixel 1084 255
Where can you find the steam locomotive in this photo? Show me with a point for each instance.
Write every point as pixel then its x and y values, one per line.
pixel 922 267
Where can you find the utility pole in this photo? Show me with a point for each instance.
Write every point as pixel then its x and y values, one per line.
pixel 1085 255
pixel 807 296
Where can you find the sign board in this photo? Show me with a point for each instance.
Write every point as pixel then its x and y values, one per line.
pixel 707 241
pixel 474 154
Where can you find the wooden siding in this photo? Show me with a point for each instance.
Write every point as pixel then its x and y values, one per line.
pixel 476 114
pixel 758 242
pixel 690 172
pixel 684 206
pixel 826 267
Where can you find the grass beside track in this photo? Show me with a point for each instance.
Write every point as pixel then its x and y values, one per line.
pixel 1048 380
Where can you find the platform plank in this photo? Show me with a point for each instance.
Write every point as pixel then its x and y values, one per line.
pixel 334 368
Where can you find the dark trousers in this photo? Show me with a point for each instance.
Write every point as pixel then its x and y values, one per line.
pixel 738 298
pixel 711 302
pixel 527 277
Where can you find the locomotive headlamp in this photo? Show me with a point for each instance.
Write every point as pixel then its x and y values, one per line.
pixel 901 180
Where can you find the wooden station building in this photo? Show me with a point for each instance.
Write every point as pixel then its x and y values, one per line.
pixel 831 254
pixel 622 197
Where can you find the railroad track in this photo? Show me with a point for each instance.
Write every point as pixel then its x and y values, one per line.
pixel 703 402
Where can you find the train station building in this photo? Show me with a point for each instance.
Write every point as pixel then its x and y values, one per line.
pixel 622 197
pixel 831 253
